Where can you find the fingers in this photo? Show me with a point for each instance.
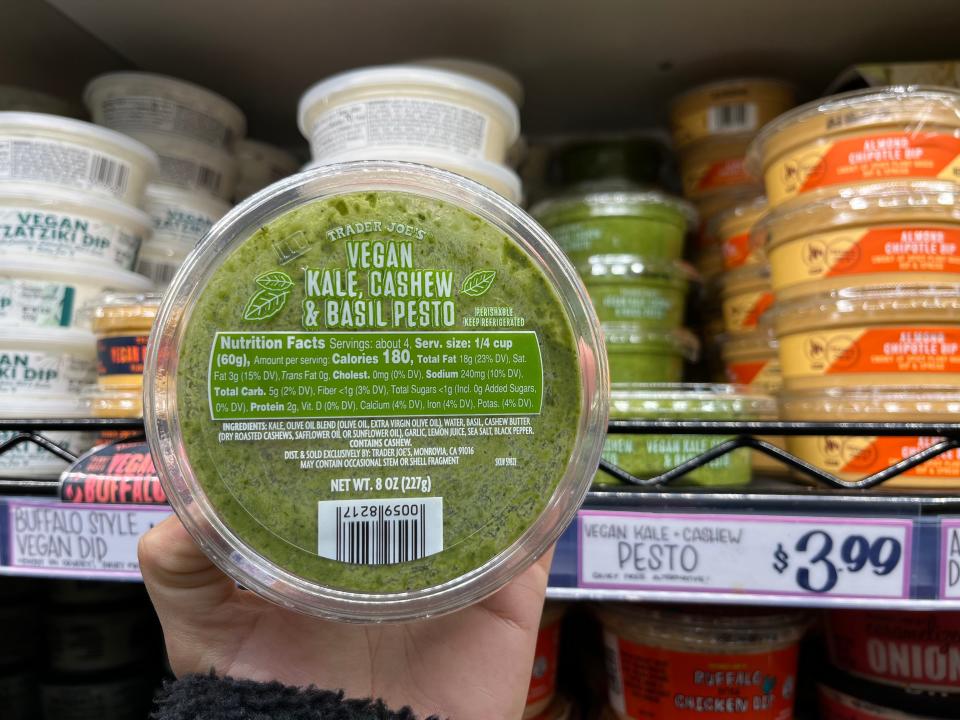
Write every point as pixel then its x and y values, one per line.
pixel 521 601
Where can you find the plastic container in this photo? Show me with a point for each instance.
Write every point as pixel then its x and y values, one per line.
pixel 630 288
pixel 734 106
pixel 651 224
pixel 745 297
pixel 193 166
pixel 65 154
pixel 498 178
pixel 852 458
pixel 753 359
pixel 898 132
pixel 408 106
pixel 733 231
pixel 260 164
pixel 138 102
pixel 847 704
pixel 622 162
pixel 122 325
pixel 713 166
pixel 543 678
pixel 44 361
pixel 646 456
pixel 114 403
pixel 69 226
pixel 34 294
pixel 181 218
pixel 499 309
pixel 639 354
pixel 883 335
pixel 28 460
pixel 160 263
pixel 84 640
pixel 506 82
pixel 896 233
pixel 678 662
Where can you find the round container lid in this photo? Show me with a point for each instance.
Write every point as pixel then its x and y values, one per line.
pixel 86 273
pixel 628 337
pixel 738 219
pixel 760 341
pixel 927 201
pixel 615 204
pixel 492 74
pixel 410 75
pixel 19 122
pixel 58 199
pixel 915 105
pixel 54 407
pixel 727 83
pixel 911 404
pixel 687 400
pixel 617 268
pixel 144 83
pixel 63 340
pixel 201 203
pixel 265 534
pixel 746 278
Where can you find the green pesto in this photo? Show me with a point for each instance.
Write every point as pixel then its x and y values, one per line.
pixel 273 509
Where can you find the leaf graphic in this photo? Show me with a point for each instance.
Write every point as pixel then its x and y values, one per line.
pixel 265 304
pixel 478 282
pixel 275 280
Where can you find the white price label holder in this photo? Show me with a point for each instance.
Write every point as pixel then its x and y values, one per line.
pixel 772 555
pixel 950 559
pixel 54 539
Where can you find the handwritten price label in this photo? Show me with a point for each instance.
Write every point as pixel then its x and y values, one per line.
pixel 762 554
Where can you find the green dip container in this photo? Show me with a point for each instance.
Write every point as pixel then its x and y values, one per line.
pixel 631 288
pixel 640 354
pixel 376 392
pixel 647 456
pixel 639 160
pixel 651 224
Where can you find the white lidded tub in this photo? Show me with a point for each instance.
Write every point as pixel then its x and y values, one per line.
pixel 75 155
pixel 495 176
pixel 38 362
pixel 260 164
pixel 408 106
pixel 52 223
pixel 160 261
pixel 39 293
pixel 181 217
pixel 192 165
pixel 497 76
pixel 29 460
pixel 135 102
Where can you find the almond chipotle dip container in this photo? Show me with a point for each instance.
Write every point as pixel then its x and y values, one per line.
pixel 899 132
pixel 733 230
pixel 711 166
pixel 745 297
pixel 902 231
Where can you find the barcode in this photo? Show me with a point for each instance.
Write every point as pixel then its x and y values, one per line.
pixel 732 118
pixel 209 179
pixel 380 532
pixel 160 272
pixel 109 173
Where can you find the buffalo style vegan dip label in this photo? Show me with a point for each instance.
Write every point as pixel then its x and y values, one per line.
pixel 379 391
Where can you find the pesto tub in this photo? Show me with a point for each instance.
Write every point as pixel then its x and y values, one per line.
pixel 376 392
pixel 632 288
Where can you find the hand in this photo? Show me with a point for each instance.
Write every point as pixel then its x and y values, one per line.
pixel 470 665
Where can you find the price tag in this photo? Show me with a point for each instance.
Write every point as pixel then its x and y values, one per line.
pixel 773 555
pixel 950 559
pixel 71 540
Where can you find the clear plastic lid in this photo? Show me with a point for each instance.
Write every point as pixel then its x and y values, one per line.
pixel 123 311
pixel 897 201
pixel 744 279
pixel 53 407
pixel 928 304
pixel 48 339
pixel 63 200
pixel 634 338
pixel 620 268
pixel 739 219
pixel 870 403
pixel 114 403
pixel 914 107
pixel 653 204
pixel 707 401
pixel 85 273
pixel 484 424
pixel 760 341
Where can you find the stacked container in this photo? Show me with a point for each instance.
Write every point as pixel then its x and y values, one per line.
pixel 70 228
pixel 414 113
pixel 862 240
pixel 194 132
pixel 260 164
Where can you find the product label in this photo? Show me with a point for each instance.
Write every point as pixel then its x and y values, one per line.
pixel 905 349
pixel 739 251
pixel 896 249
pixel 63 235
pixel 400 121
pixel 918 651
pixel 171 222
pixel 950 558
pixel 864 158
pixel 193 174
pixel 715 175
pixel 650 455
pixel 121 355
pixel 160 270
pixel 30 460
pixel 764 374
pixel 121 472
pixel 36 302
pixel 857 457
pixel 150 113
pixel 71 165
pixel 647 682
pixel 28 372
pixel 543 678
pixel 742 312
pixel 661 306
pixel 837 706
pixel 734 118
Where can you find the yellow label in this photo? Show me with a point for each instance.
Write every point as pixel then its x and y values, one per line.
pixel 742 311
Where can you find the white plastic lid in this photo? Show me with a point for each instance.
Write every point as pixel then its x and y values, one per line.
pixel 42 122
pixel 41 407
pixel 202 203
pixel 497 76
pixel 87 273
pixel 410 75
pixel 58 198
pixel 61 340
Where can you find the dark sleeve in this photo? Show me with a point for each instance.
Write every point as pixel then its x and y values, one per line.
pixel 208 697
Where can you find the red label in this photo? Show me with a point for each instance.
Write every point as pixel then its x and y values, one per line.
pixel 658 683
pixel 876 454
pixel 121 355
pixel 875 157
pixel 736 250
pixel 764 302
pixel 899 249
pixel 913 349
pixel 913 650
pixel 543 679
pixel 745 373
pixel 836 706
pixel 724 173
